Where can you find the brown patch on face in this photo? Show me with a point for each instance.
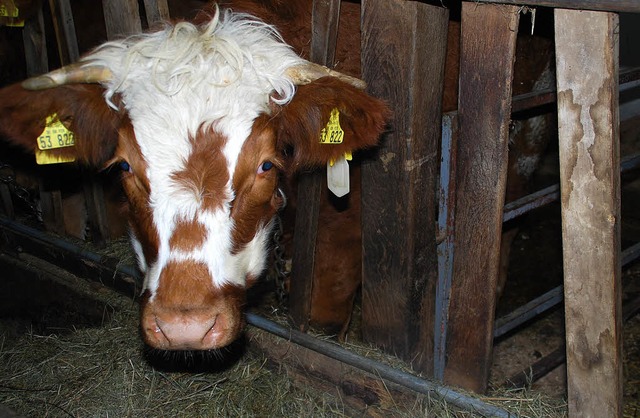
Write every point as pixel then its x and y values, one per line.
pixel 136 186
pixel 184 285
pixel 189 312
pixel 256 199
pixel 187 236
pixel 205 173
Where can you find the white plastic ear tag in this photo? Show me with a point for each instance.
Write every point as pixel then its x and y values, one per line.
pixel 338 175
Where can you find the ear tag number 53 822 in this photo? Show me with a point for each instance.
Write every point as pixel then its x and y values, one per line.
pixel 55 135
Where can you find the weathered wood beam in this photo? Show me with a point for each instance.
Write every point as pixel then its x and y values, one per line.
pixel 35 49
pixel 632 6
pixel 6 200
pixel 487 52
pixel 324 29
pixel 122 17
pixel 51 200
pixel 587 79
pixel 35 45
pixel 67 41
pixel 65 31
pixel 156 11
pixel 403 47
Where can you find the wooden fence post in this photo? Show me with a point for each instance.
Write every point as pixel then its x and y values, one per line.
pixel 122 17
pixel 487 52
pixel 587 78
pixel 324 31
pixel 403 47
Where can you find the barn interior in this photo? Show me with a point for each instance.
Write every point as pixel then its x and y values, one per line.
pixel 69 339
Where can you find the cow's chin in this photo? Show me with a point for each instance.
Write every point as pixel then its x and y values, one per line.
pixel 215 322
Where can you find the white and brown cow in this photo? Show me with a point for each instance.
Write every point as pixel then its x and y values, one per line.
pixel 202 117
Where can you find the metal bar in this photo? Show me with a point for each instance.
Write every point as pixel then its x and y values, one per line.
pixel 529 202
pixel 627 76
pixel 632 6
pixel 528 311
pixel 627 79
pixel 538 369
pixel 65 246
pixel 445 246
pixel 558 356
pixel 548 300
pixel 533 99
pixel 630 254
pixel 629 163
pixel 552 193
pixel 376 368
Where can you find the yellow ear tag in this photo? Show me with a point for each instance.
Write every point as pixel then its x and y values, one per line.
pixel 9 14
pixel 332 133
pixel 338 175
pixel 9 10
pixel 55 135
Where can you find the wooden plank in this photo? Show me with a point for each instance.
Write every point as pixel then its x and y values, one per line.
pixel 122 17
pixel 587 68
pixel 403 47
pixel 632 6
pixel 156 11
pixel 96 206
pixel 65 30
pixel 304 246
pixel 68 52
pixel 35 49
pixel 7 202
pixel 326 16
pixel 51 200
pixel 68 49
pixel 483 115
pixel 35 45
pixel 324 29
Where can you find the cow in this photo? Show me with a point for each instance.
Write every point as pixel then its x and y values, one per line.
pixel 203 117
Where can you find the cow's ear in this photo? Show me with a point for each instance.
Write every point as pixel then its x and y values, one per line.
pixel 81 108
pixel 300 123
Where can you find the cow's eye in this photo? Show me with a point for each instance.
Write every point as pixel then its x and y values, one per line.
pixel 265 166
pixel 125 166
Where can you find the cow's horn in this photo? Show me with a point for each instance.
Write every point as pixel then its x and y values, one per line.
pixel 69 74
pixel 308 72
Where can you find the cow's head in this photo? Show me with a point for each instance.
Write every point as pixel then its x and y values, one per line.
pixel 202 120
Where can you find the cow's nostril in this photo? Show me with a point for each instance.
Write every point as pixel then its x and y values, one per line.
pixel 185 332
